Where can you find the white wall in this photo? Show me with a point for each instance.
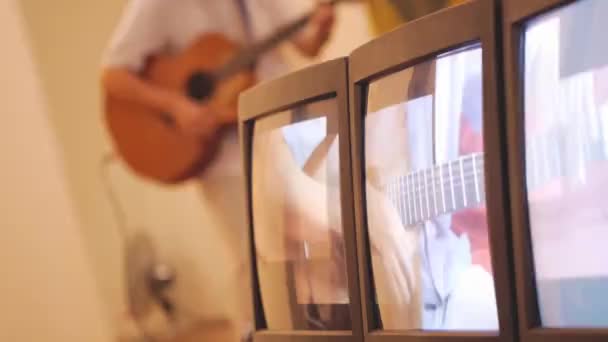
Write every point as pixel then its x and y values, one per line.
pixel 48 292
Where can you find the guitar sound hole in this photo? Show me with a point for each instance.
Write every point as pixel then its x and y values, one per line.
pixel 200 86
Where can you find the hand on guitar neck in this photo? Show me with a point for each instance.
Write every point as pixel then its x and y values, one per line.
pixel 315 34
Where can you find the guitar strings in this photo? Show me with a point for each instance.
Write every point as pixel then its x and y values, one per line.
pixel 466 163
pixel 427 192
pixel 424 188
pixel 429 182
pixel 420 182
pixel 418 202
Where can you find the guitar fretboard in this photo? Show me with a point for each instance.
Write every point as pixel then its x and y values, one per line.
pixel 440 189
pixel 248 56
pixel 460 184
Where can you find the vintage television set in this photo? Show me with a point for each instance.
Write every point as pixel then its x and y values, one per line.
pixel 295 137
pixel 429 161
pixel 557 82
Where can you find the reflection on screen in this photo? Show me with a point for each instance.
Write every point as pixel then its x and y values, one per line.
pixel 296 219
pixel 566 132
pixel 425 196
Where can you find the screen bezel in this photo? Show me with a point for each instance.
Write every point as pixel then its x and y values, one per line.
pixel 406 46
pixel 318 82
pixel 517 13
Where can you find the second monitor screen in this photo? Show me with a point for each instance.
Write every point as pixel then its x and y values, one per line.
pixel 566 135
pixel 425 196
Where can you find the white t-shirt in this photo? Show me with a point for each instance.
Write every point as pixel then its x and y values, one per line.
pixel 152 26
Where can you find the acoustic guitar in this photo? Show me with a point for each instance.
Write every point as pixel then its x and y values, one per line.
pixel 214 70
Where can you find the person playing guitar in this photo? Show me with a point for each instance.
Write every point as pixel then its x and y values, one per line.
pixel 151 28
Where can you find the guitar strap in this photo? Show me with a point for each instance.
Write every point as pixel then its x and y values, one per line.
pixel 245 19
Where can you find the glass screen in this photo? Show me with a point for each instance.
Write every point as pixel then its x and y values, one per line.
pixel 425 196
pixel 566 144
pixel 296 219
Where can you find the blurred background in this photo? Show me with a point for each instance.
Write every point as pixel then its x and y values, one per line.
pixel 61 251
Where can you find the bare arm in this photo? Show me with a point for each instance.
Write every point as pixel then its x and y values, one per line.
pixel 305 198
pixel 315 34
pixel 192 118
pixel 124 84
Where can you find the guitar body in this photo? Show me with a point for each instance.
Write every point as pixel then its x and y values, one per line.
pixel 149 141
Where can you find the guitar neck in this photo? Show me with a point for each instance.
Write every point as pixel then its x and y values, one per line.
pixel 250 54
pixel 561 152
pixel 425 194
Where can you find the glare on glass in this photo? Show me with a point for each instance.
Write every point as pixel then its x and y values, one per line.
pixel 296 219
pixel 425 196
pixel 566 141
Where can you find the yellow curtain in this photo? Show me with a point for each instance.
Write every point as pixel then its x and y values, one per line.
pixel 385 15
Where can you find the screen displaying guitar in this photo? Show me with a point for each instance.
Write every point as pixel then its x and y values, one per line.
pixel 424 152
